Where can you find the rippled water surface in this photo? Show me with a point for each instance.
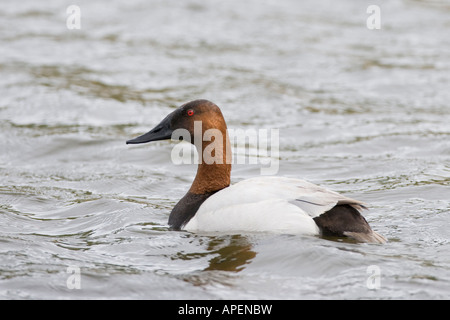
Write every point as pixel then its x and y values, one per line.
pixel 363 112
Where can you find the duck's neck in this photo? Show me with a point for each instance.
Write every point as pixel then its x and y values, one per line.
pixel 214 169
pixel 211 177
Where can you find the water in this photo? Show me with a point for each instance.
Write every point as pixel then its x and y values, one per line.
pixel 364 112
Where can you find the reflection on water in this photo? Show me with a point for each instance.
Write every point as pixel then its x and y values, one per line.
pixel 226 253
pixel 226 257
pixel 231 257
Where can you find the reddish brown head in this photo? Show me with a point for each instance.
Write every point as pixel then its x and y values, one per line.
pixel 202 122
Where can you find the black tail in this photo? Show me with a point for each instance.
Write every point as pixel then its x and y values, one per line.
pixel 346 221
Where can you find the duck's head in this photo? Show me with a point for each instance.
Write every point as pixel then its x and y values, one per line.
pixel 205 112
pixel 197 118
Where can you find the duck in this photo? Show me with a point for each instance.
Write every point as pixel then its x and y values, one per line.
pixel 273 204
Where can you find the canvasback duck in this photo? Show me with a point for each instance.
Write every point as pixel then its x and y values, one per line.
pixel 260 204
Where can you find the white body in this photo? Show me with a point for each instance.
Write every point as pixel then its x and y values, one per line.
pixel 273 204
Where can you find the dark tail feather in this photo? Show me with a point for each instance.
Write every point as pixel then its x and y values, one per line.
pixel 346 221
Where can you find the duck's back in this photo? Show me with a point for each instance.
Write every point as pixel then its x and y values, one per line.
pixel 274 204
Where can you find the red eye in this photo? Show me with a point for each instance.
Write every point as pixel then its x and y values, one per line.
pixel 190 112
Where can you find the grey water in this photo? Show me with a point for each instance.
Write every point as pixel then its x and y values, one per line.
pixel 365 112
